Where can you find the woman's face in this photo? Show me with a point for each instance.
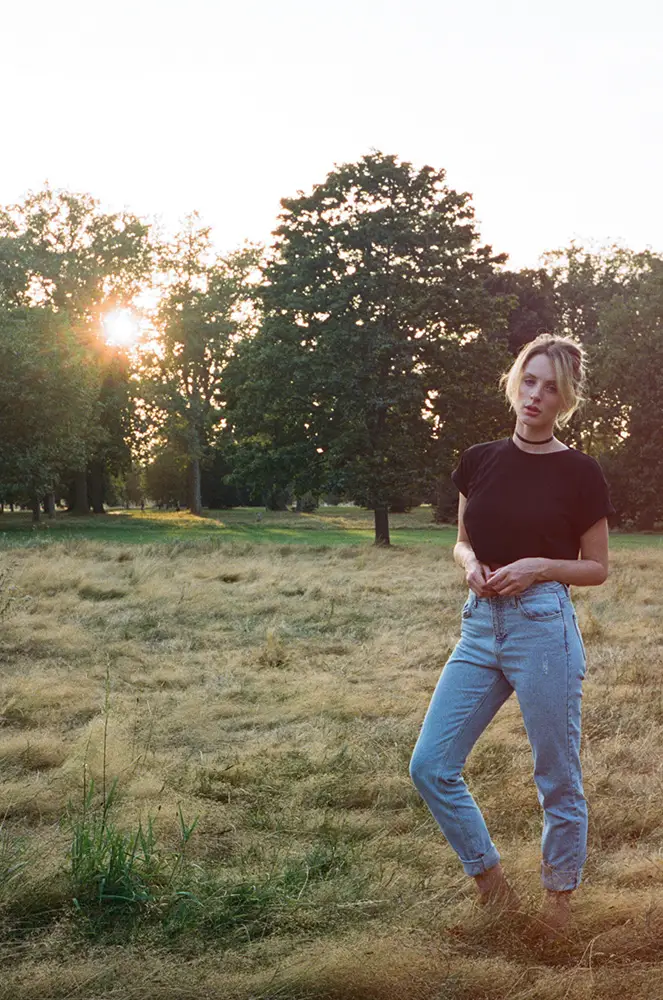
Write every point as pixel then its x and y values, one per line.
pixel 538 397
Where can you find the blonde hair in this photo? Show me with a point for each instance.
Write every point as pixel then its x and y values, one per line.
pixel 569 361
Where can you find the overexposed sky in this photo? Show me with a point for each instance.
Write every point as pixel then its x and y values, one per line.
pixel 549 113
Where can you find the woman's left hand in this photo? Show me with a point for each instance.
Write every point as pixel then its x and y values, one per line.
pixel 515 577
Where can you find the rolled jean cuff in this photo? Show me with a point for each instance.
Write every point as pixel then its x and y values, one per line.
pixel 480 865
pixel 559 881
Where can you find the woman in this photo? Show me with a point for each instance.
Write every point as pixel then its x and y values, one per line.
pixel 528 506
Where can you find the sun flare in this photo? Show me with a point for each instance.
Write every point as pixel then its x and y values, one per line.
pixel 121 328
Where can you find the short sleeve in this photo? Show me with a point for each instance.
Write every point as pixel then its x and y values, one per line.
pixel 462 474
pixel 594 498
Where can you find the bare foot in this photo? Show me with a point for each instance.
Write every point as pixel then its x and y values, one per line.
pixel 495 891
pixel 554 916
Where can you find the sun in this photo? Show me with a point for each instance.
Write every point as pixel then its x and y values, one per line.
pixel 121 328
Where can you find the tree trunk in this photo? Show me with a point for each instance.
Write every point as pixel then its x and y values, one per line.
pixel 49 504
pixel 36 510
pixel 96 483
pixel 81 504
pixel 276 499
pixel 307 503
pixel 382 526
pixel 194 500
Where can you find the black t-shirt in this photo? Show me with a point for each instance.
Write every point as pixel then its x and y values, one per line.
pixel 521 504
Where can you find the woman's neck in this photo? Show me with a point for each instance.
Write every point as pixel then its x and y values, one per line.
pixel 541 441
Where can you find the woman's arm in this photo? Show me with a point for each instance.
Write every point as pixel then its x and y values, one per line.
pixel 591 569
pixel 588 571
pixel 475 571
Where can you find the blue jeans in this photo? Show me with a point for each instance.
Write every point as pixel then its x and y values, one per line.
pixel 529 644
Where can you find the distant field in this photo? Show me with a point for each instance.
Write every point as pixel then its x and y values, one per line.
pixel 272 694
pixel 328 526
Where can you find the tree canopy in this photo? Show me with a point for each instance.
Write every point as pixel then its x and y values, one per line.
pixel 202 313
pixel 375 274
pixel 356 357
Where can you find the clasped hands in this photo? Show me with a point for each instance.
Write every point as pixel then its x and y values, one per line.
pixel 506 581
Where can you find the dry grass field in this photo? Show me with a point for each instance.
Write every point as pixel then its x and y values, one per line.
pixel 204 788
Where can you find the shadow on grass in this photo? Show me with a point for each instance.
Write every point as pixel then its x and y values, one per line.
pixel 237 525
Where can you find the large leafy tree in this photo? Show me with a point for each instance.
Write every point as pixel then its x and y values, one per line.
pixel 46 390
pixel 66 253
pixel 469 408
pixel 59 251
pixel 612 300
pixel 109 453
pixel 205 308
pixel 533 305
pixel 373 274
pixel 628 370
pixel 588 283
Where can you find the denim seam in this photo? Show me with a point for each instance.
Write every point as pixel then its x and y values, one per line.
pixel 459 822
pixel 576 852
pixel 499 626
pixel 473 603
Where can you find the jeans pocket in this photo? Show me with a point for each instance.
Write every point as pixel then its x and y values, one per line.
pixel 540 607
pixel 469 606
pixel 578 633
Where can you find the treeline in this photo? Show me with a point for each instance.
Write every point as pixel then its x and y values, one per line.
pixel 352 359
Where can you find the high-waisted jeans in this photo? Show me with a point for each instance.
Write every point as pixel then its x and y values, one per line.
pixel 529 644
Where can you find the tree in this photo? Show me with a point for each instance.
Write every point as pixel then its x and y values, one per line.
pixel 203 312
pixel 612 300
pixel 60 251
pixel 628 371
pixel 217 488
pixel 128 487
pixel 371 275
pixel 71 256
pixel 468 408
pixel 533 307
pixel 47 391
pixel 165 477
pixel 109 454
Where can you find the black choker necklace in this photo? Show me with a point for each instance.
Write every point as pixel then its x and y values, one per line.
pixel 527 440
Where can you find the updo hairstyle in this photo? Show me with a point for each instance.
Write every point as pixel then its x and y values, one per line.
pixel 570 363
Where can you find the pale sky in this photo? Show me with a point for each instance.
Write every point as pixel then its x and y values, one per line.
pixel 549 113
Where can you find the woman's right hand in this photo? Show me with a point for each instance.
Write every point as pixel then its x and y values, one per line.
pixel 476 575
